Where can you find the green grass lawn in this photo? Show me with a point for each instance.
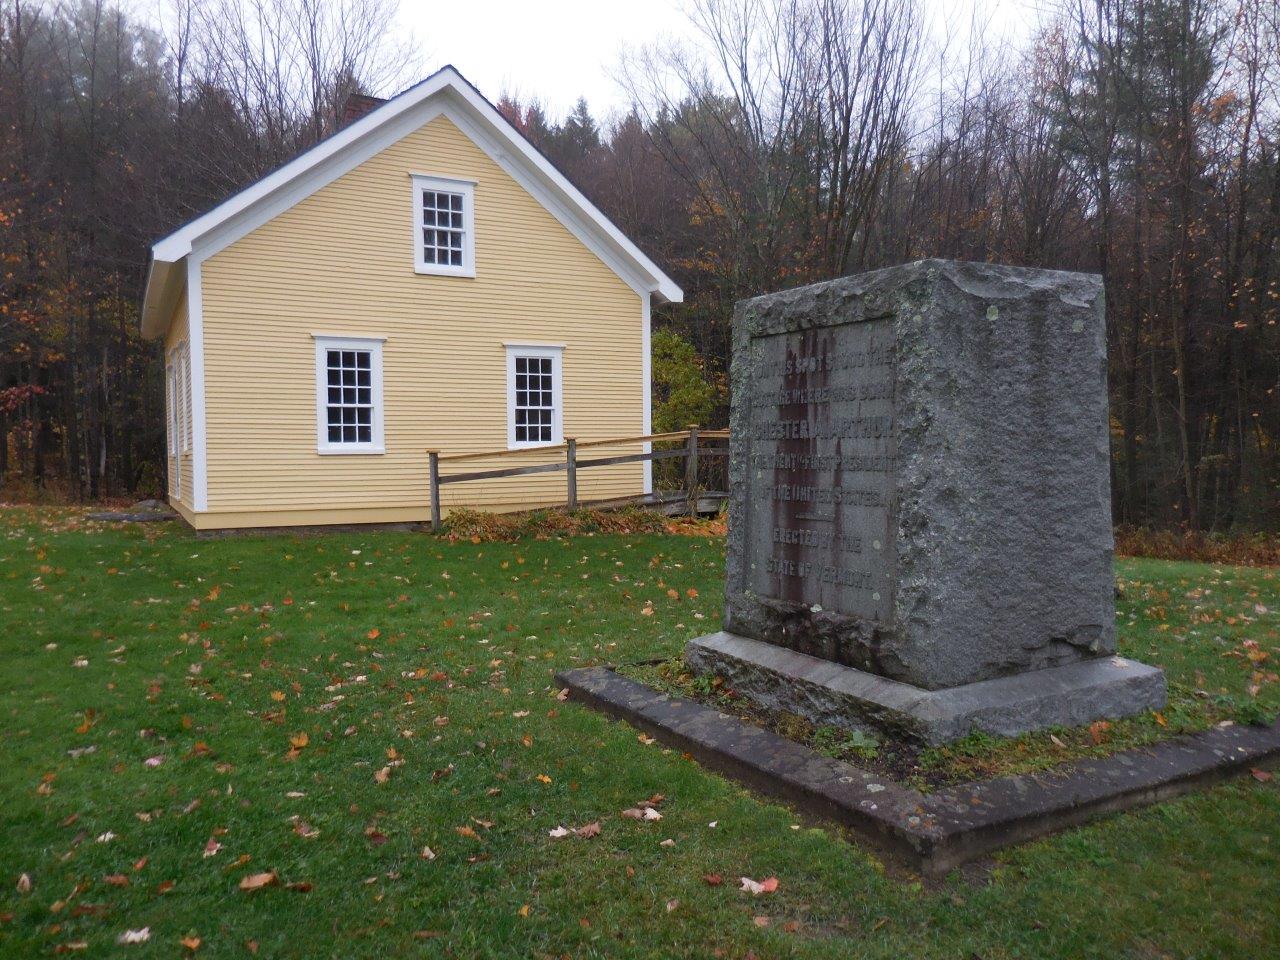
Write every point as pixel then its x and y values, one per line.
pixel 181 715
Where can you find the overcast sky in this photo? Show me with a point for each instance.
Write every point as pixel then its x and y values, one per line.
pixel 558 50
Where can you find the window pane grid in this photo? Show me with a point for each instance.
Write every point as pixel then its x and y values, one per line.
pixel 349 400
pixel 535 404
pixel 442 228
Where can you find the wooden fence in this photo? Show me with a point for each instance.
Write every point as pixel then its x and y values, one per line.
pixel 691 448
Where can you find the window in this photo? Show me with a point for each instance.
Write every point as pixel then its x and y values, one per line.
pixel 349 395
pixel 534 404
pixel 171 400
pixel 444 226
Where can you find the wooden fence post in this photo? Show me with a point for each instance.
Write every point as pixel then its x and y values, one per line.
pixel 571 470
pixel 434 457
pixel 691 470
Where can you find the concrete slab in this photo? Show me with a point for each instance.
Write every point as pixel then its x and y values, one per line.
pixel 931 833
pixel 832 694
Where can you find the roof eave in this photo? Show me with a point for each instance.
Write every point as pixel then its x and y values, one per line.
pixel 165 282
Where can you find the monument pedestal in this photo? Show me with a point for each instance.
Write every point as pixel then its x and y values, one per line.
pixel 920 514
pixel 831 694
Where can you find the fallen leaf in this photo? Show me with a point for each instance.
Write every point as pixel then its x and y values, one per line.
pixel 1098 730
pixel 256 881
pixel 542 778
pixel 760 921
pixel 24 884
pixel 466 831
pixel 212 847
pixel 191 943
pixel 116 880
pixel 712 879
pixel 428 853
pixel 299 886
pixel 672 904
pixel 135 936
pixel 1262 776
pixel 557 833
pixel 667 843
pixel 587 831
pixel 524 910
pixel 299 740
pixel 755 888
pixel 382 776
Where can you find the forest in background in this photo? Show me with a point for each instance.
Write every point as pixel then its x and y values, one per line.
pixel 799 140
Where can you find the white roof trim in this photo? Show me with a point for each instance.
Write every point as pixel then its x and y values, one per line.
pixel 396 118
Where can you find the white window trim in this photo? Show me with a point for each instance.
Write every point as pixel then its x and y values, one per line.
pixel 556 353
pixel 374 346
pixel 423 182
pixel 185 387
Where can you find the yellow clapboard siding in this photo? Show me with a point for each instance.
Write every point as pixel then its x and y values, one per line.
pixel 341 263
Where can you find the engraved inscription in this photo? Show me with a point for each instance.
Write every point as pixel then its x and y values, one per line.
pixel 819 501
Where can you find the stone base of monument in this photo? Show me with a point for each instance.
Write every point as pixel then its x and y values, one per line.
pixel 932 833
pixel 831 694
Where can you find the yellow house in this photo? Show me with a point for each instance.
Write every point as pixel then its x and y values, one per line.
pixel 422 279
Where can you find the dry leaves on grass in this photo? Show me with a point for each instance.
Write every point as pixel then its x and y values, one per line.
pixel 645 809
pixel 1098 731
pixel 638 813
pixel 584 832
pixel 757 887
pixel 257 881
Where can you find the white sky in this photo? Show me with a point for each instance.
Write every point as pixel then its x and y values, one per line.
pixel 558 50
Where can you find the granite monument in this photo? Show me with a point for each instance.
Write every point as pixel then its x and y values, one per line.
pixel 920 527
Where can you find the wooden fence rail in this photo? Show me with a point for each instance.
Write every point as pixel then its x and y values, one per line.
pixel 691 449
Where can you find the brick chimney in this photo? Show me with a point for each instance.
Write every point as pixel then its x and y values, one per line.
pixel 357 105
